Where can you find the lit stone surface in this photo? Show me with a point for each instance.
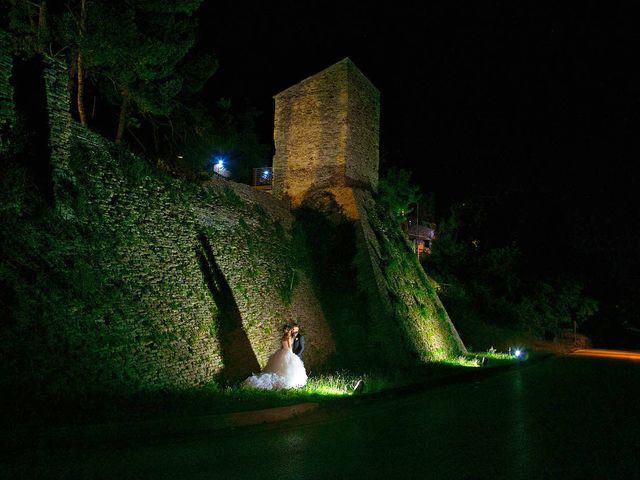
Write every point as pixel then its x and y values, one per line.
pixel 132 307
pixel 140 313
pixel 326 135
pixel 167 321
pixel 7 109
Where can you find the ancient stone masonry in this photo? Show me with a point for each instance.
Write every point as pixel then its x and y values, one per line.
pixel 326 136
pixel 60 124
pixel 7 110
pixel 156 282
pixel 403 290
pixel 250 234
pixel 163 283
pixel 160 283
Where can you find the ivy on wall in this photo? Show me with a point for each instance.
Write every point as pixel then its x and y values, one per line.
pixel 415 307
pixel 113 296
pixel 7 110
pixel 108 290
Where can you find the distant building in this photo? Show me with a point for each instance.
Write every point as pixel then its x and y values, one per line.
pixel 422 236
pixel 263 178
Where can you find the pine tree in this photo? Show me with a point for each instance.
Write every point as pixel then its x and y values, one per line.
pixel 138 52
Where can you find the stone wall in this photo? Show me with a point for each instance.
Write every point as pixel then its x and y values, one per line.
pixel 137 280
pixel 7 110
pixel 60 126
pixel 179 329
pixel 413 313
pixel 151 303
pixel 200 279
pixel 153 282
pixel 251 236
pixel 326 135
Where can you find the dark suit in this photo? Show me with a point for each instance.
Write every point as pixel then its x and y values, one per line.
pixel 298 345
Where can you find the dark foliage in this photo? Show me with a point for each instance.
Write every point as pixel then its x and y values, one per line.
pixel 497 286
pixel 136 73
pixel 397 195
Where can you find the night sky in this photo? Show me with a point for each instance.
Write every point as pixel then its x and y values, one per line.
pixel 535 109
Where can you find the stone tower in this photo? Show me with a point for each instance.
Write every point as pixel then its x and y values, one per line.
pixel 326 137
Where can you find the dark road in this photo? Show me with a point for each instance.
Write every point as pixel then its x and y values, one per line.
pixel 570 417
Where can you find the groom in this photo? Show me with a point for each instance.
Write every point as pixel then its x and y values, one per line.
pixel 298 340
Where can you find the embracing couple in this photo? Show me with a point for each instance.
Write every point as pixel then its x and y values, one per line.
pixel 284 369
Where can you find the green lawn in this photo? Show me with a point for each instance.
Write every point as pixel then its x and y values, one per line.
pixel 324 388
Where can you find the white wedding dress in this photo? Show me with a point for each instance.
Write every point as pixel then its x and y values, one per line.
pixel 284 369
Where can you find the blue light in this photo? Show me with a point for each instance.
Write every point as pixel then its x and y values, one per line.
pixel 218 165
pixel 518 353
pixel 265 173
pixel 217 161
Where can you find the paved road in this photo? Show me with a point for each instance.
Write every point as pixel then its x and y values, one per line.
pixel 570 417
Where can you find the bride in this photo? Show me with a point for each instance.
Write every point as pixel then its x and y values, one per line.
pixel 284 368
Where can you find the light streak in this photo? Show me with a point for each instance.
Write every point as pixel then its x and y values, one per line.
pixel 596 352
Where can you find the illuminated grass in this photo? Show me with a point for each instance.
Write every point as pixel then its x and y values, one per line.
pixel 496 355
pixel 473 359
pixel 324 388
pixel 461 361
pixel 495 358
pixel 342 384
pixel 338 384
pixel 334 385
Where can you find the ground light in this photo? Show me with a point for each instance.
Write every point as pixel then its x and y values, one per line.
pixel 518 353
pixel 218 163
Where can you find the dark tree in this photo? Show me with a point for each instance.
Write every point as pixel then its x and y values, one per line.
pixel 396 193
pixel 137 53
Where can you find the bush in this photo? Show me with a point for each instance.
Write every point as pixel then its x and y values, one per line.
pixel 493 286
